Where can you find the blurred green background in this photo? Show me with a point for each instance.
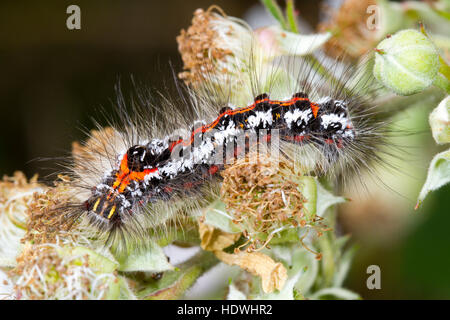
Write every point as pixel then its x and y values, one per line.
pixel 53 80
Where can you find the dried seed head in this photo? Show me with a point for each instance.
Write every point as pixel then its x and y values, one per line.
pixel 264 199
pixel 46 222
pixel 211 46
pixel 45 272
pixel 16 199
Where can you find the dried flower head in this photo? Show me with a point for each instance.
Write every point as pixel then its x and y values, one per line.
pixel 46 223
pixel 213 46
pixel 48 272
pixel 264 198
pixel 16 198
pixel 223 55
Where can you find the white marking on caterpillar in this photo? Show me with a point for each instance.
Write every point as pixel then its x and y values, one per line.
pixel 328 119
pixel 261 117
pixel 294 116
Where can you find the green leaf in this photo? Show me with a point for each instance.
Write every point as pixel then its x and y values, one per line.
pixel 125 292
pixel 97 262
pixel 442 82
pixel 285 236
pixel 442 13
pixel 151 259
pixel 305 260
pixel 343 266
pixel 275 11
pixel 174 284
pixel 113 292
pixel 438 175
pixel 287 293
pixel 100 264
pixel 216 216
pixel 328 261
pixel 309 190
pixel 299 259
pixel 335 294
pixel 325 199
pixel 290 15
pixel 318 198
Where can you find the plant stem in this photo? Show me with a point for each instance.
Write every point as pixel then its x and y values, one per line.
pixel 275 11
pixel 290 15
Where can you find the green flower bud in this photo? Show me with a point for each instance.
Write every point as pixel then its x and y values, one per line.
pixel 439 122
pixel 406 62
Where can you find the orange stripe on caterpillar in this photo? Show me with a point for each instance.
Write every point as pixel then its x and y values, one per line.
pixel 231 112
pixel 125 176
pixel 315 109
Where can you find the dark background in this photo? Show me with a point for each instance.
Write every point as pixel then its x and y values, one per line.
pixel 52 80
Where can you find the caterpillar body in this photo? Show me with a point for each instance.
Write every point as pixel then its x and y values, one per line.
pixel 139 174
pixel 148 173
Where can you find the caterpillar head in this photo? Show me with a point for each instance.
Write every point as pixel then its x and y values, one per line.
pixel 118 192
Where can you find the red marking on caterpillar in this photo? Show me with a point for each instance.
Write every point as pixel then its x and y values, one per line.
pixel 213 169
pixel 188 185
pixel 300 138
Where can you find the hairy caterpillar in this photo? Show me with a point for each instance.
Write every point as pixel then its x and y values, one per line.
pixel 126 179
pixel 147 172
pixel 160 160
